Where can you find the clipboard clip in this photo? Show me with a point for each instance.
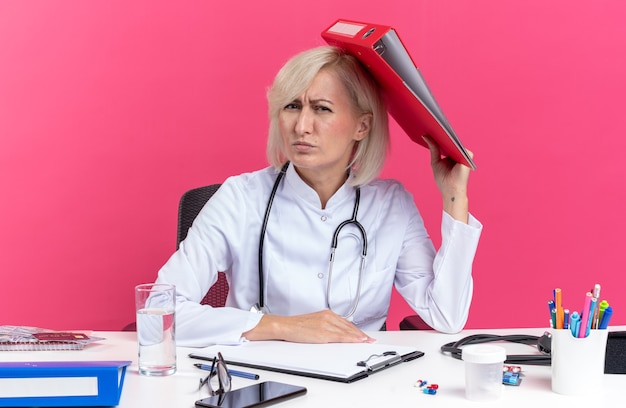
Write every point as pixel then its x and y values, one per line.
pixel 380 362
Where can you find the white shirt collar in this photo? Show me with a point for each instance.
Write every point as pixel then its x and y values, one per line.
pixel 305 192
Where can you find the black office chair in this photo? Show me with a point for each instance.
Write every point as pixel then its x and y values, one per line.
pixel 188 209
pixel 414 322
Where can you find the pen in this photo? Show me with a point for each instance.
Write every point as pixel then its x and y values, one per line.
pixel 242 374
pixel 596 294
pixel 559 308
pixel 566 318
pixel 574 324
pixel 603 305
pixel 592 308
pixel 584 316
pixel 606 317
pixel 552 319
pixel 596 290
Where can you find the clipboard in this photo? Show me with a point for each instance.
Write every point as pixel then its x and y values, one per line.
pixel 340 362
pixel 409 100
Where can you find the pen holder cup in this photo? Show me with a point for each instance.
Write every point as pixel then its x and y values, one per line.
pixel 484 365
pixel 578 363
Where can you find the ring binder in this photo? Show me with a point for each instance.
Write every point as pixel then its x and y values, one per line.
pixel 61 383
pixel 409 100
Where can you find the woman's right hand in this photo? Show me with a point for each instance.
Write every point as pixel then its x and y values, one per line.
pixel 319 327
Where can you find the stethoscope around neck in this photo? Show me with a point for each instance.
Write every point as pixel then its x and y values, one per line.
pixel 260 307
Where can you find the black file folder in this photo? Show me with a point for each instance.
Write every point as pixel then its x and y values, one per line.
pixel 341 362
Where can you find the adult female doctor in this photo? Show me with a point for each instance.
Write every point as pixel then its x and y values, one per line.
pixel 328 138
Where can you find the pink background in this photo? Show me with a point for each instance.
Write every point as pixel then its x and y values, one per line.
pixel 109 111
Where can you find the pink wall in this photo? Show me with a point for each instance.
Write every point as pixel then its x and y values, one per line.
pixel 109 111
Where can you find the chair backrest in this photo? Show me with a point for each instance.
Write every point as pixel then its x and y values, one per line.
pixel 188 209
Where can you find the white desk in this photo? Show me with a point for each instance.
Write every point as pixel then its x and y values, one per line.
pixel 393 387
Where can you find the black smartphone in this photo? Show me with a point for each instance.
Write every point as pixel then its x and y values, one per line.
pixel 257 395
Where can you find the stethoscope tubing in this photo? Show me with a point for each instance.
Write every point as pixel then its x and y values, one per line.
pixel 268 208
pixel 260 306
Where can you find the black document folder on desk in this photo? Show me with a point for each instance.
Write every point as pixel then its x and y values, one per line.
pixel 334 362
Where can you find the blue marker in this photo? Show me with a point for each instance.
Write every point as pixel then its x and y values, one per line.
pixel 590 314
pixel 566 318
pixel 574 323
pixel 606 317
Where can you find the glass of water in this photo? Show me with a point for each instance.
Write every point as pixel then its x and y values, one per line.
pixel 155 306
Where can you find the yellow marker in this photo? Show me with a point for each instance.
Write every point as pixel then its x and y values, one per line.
pixel 603 305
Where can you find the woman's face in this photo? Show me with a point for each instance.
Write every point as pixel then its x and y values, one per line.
pixel 320 127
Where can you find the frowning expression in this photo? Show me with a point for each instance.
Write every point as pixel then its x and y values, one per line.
pixel 320 128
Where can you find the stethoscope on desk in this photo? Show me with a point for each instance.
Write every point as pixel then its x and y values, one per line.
pixel 542 343
pixel 259 307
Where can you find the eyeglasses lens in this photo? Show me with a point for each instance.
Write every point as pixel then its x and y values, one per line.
pixel 223 376
pixel 218 380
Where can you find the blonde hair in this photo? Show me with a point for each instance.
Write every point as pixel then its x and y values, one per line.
pixel 296 76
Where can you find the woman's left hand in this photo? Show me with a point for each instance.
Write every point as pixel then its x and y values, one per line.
pixel 452 179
